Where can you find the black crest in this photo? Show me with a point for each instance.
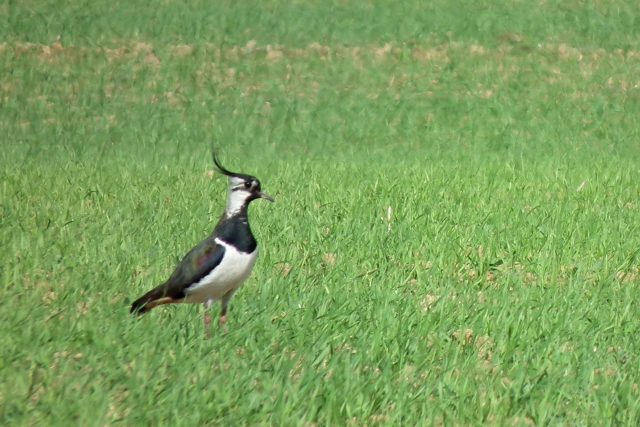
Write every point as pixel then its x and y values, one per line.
pixel 226 171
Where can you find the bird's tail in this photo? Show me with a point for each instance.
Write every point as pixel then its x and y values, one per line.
pixel 151 299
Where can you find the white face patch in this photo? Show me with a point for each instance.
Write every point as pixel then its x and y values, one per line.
pixel 237 196
pixel 235 181
pixel 235 201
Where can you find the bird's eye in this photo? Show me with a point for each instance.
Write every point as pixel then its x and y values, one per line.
pixel 247 184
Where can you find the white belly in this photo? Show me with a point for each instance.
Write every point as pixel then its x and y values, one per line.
pixel 229 275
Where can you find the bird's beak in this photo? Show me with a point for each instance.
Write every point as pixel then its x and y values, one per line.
pixel 265 196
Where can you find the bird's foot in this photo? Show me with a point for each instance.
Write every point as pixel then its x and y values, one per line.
pixel 222 322
pixel 207 324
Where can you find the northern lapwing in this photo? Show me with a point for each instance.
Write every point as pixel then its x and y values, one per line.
pixel 217 267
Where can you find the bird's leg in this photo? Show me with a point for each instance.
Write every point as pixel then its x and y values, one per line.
pixel 225 305
pixel 207 317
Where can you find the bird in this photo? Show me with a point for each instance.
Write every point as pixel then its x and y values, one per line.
pixel 218 266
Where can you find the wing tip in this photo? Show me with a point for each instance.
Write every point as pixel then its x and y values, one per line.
pixel 138 308
pixel 145 304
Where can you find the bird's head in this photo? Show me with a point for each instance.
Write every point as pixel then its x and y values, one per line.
pixel 242 188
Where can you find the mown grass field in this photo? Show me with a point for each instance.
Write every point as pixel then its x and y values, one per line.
pixel 455 238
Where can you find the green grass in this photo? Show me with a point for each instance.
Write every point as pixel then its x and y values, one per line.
pixel 455 239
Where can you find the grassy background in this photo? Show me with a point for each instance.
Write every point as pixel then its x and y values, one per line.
pixel 455 237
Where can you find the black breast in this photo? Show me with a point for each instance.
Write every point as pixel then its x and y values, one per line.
pixel 235 231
